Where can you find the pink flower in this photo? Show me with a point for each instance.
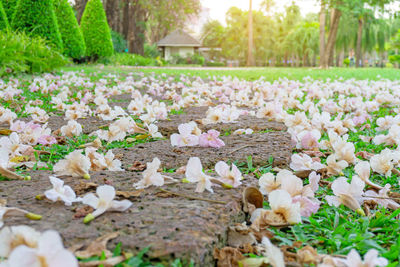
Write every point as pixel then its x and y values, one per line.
pixel 307 205
pixel 47 140
pixel 210 139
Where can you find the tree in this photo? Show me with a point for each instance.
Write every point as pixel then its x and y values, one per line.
pixel 250 56
pixel 9 8
pixel 3 18
pixel 37 17
pixel 95 31
pixel 74 45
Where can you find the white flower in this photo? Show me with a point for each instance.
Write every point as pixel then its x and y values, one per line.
pixel 105 201
pixel 335 167
pixel 12 144
pixel 74 164
pixel 153 131
pixel 112 164
pixel 382 163
pixel 14 236
pixel 363 171
pixel 61 192
pixel 49 252
pixel 229 176
pixel 185 136
pixel 269 182
pixel 73 128
pixel 151 176
pixel 281 203
pixel 371 259
pixel 273 253
pixel 304 163
pixel 347 194
pixel 194 174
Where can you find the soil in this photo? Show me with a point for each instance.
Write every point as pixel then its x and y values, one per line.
pixel 260 146
pixel 174 227
pixel 170 126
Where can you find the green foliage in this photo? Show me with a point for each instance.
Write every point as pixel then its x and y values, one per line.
pixel 3 18
pixel 96 31
pixel 119 43
pixel 125 59
pixel 9 8
pixel 74 45
pixel 189 59
pixel 215 64
pixel 151 51
pixel 37 18
pixel 394 59
pixel 21 53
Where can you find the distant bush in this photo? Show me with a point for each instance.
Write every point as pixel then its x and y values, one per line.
pixel 74 45
pixel 119 42
pixel 3 18
pixel 394 59
pixel 126 59
pixel 151 51
pixel 37 18
pixel 20 53
pixel 215 64
pixel 346 62
pixel 96 31
pixel 195 59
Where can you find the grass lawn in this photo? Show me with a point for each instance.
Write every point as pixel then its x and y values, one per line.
pixel 269 74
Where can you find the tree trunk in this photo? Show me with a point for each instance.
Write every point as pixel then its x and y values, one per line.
pixel 112 12
pixel 250 57
pixel 330 45
pixel 359 62
pixel 322 19
pixel 125 19
pixel 80 7
pixel 136 34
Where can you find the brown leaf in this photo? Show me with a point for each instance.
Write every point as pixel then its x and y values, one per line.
pixel 308 255
pixel 253 196
pixel 83 187
pixel 61 140
pixel 97 247
pixel 312 153
pixel 181 170
pixel 364 154
pixel 137 166
pixel 82 212
pixel 106 263
pixel 240 235
pixel 4 131
pixel 228 256
pixel 268 218
pixel 128 194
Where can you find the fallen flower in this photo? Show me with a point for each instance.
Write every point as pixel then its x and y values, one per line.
pixel 4 171
pixel 151 176
pixel 185 136
pixel 363 171
pixel 194 174
pixel 304 162
pixel 335 167
pixel 105 201
pixel 14 236
pixel 61 192
pixel 371 259
pixel 11 211
pixel 211 139
pixel 230 176
pixel 74 164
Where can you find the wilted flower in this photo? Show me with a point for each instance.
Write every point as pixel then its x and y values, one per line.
pixel 362 169
pixel 382 163
pixel 14 236
pixel 151 176
pixel 73 128
pixel 304 162
pixel 47 140
pixel 382 198
pixel 335 167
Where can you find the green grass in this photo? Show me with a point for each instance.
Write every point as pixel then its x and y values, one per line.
pixel 269 74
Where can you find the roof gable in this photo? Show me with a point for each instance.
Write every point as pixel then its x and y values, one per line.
pixel 178 38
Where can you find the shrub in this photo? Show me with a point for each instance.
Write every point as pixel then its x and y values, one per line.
pixel 37 17
pixel 132 60
pixel 74 45
pixel 21 53
pixel 119 43
pixel 197 59
pixel 346 62
pixel 151 51
pixel 3 18
pixel 394 59
pixel 9 8
pixel 215 64
pixel 96 31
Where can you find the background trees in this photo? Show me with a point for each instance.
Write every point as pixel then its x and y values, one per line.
pixel 3 18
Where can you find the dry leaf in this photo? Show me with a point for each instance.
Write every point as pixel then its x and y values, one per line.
pixel 228 256
pixel 181 170
pixel 240 235
pixel 364 154
pixel 83 187
pixel 268 218
pixel 4 131
pixel 82 212
pixel 97 247
pixel 106 263
pixel 137 166
pixel 252 196
pixel 128 194
pixel 312 153
pixel 308 255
